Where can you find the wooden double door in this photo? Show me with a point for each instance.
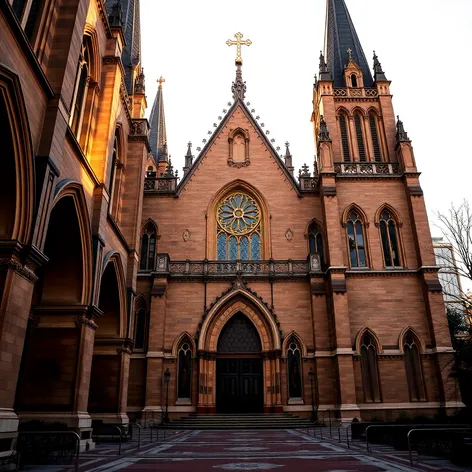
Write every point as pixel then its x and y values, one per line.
pixel 239 385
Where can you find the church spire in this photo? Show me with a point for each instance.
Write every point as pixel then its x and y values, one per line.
pixel 157 124
pixel 341 36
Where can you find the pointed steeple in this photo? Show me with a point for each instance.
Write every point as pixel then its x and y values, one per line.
pixel 157 125
pixel 131 24
pixel 379 74
pixel 288 158
pixel 188 158
pixel 341 36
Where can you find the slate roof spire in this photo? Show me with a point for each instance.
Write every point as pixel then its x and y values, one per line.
pixel 157 125
pixel 131 24
pixel 340 35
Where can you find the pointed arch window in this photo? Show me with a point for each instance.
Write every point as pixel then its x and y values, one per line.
pixel 239 228
pixel 184 381
pixel 359 136
pixel 141 330
pixel 354 80
pixel 315 239
pixel 375 137
pixel 81 87
pixel 414 370
pixel 370 374
pixel 356 240
pixel 294 369
pixel 28 12
pixel 148 247
pixel 344 138
pixel 389 236
pixel 115 179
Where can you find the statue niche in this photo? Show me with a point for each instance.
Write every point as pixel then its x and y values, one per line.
pixel 238 141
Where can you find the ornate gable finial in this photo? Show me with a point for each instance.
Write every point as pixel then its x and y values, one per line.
pixel 239 86
pixel 288 158
pixel 378 72
pixel 324 133
pixel 324 72
pixel 169 169
pixel 304 171
pixel 115 17
pixel 238 43
pixel 349 54
pixel 188 158
pixel 402 136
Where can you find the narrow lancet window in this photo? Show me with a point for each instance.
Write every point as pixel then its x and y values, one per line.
pixel 375 137
pixel 414 371
pixel 353 80
pixel 360 137
pixel 369 368
pixel 315 239
pixel 185 371
pixel 148 247
pixel 356 240
pixel 344 138
pixel 389 236
pixel 294 370
pixel 140 330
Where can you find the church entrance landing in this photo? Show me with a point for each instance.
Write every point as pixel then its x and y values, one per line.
pixel 239 370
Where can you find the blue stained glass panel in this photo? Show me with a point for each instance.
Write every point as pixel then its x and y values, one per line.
pixel 221 247
pixel 233 248
pixel 255 247
pixel 244 249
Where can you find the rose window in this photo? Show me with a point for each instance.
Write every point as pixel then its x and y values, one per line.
pixel 238 228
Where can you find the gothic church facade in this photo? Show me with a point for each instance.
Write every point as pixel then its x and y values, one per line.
pixel 239 288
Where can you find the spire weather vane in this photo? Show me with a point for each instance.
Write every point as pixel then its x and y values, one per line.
pixel 238 43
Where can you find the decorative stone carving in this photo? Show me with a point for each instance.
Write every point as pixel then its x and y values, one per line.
pixel 186 235
pixel 238 140
pixel 289 234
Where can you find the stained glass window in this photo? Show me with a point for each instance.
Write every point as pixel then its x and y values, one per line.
pixel 238 228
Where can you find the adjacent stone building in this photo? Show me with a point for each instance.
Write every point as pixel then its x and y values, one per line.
pixel 255 290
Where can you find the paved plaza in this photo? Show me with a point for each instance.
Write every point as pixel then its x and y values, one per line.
pixel 251 450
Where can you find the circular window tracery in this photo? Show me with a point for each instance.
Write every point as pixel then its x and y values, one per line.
pixel 238 214
pixel 238 228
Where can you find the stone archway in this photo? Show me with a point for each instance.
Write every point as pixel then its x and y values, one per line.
pixel 239 301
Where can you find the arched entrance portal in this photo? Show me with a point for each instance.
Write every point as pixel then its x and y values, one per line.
pixel 239 367
pixel 219 334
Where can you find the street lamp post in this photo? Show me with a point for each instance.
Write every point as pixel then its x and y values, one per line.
pixel 166 381
pixel 311 376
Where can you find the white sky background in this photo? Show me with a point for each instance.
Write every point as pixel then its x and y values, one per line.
pixel 425 47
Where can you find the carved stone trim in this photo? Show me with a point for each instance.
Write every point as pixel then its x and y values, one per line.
pixel 232 134
pixel 85 321
pixel 339 285
pixel 329 191
pixel 20 269
pixel 433 285
pixel 416 191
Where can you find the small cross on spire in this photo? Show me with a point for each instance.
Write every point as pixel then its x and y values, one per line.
pixel 238 43
pixel 160 81
pixel 349 53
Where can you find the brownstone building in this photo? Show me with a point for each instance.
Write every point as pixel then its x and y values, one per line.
pixel 252 288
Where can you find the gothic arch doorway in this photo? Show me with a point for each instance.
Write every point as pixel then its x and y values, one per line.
pixel 239 367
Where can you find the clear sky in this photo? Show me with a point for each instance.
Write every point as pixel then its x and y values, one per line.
pixel 425 47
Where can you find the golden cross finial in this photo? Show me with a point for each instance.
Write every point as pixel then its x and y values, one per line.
pixel 160 81
pixel 238 43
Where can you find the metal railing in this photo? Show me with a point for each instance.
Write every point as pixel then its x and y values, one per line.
pixel 423 430
pixel 43 450
pixel 104 431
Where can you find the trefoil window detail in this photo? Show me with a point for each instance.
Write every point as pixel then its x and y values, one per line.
pixel 315 239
